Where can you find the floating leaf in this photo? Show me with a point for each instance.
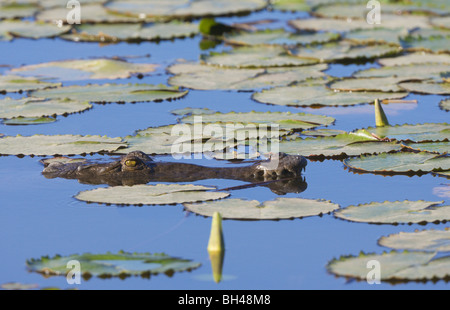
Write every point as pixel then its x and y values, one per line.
pixel 204 77
pixel 113 93
pixel 383 84
pixel 41 145
pixel 15 83
pixel 445 104
pixel 28 121
pixel 432 40
pixel 192 111
pixel 183 8
pixel 436 147
pixel 396 212
pixel 107 265
pixel 35 107
pixel 443 22
pixel 110 33
pixel 160 194
pixel 256 57
pixel 323 132
pixel 279 37
pixel 345 51
pixel 415 132
pixel 383 35
pixel 414 71
pixel 318 95
pixel 427 87
pixel 415 58
pixel 280 208
pixel 72 70
pixel 405 162
pixel 347 144
pixel 29 29
pixel 425 240
pixel 17 10
pixel 291 5
pixel 395 266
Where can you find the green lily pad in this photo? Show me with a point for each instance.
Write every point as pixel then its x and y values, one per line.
pixel 280 208
pixel 84 69
pixel 442 88
pixel 122 264
pixel 431 40
pixel 107 93
pixel 395 266
pixel 28 121
pixel 184 8
pixel 405 162
pixel 414 71
pixel 425 240
pixel 279 37
pixel 42 145
pixel 291 5
pixel 347 144
pixel 435 147
pixel 29 29
pixel 441 21
pixel 319 95
pixel 343 51
pixel 192 111
pixel 256 57
pixel 415 132
pixel 17 10
pixel 15 83
pixel 160 194
pixel 35 107
pixel 285 120
pixel 415 58
pixel 384 35
pixel 323 132
pixel 445 104
pixel 396 212
pixel 204 77
pixel 383 84
pixel 118 32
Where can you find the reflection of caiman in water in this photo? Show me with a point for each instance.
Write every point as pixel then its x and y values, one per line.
pixel 282 173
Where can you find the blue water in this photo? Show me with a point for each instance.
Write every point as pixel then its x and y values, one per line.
pixel 39 216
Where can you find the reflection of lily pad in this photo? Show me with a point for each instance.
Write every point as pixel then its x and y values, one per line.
pixel 15 83
pixel 396 212
pixel 69 70
pixel 256 57
pixel 204 77
pixel 113 93
pixel 107 265
pixel 405 162
pixel 34 107
pixel 319 95
pixel 425 240
pixel 395 266
pixel 279 37
pixel 280 208
pixel 131 32
pixel 58 145
pixel 414 132
pixel 160 194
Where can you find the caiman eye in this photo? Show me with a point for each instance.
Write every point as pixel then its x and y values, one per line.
pixel 130 163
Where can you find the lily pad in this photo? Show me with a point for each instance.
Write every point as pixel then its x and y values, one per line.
pixel 28 121
pixel 404 162
pixel 279 37
pixel 413 71
pixel 344 51
pixel 280 208
pixel 441 21
pixel 121 264
pixel 118 32
pixel 183 8
pixel 160 194
pixel 395 266
pixel 29 29
pixel 396 212
pixel 192 111
pixel 445 104
pixel 442 88
pixel 435 147
pixel 319 95
pixel 256 57
pixel 291 5
pixel 413 132
pixel 204 77
pixel 85 69
pixel 431 40
pixel 15 83
pixel 107 93
pixel 415 58
pixel 34 107
pixel 42 145
pixel 425 240
pixel 384 35
pixel 347 144
pixel 383 84
pixel 17 10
